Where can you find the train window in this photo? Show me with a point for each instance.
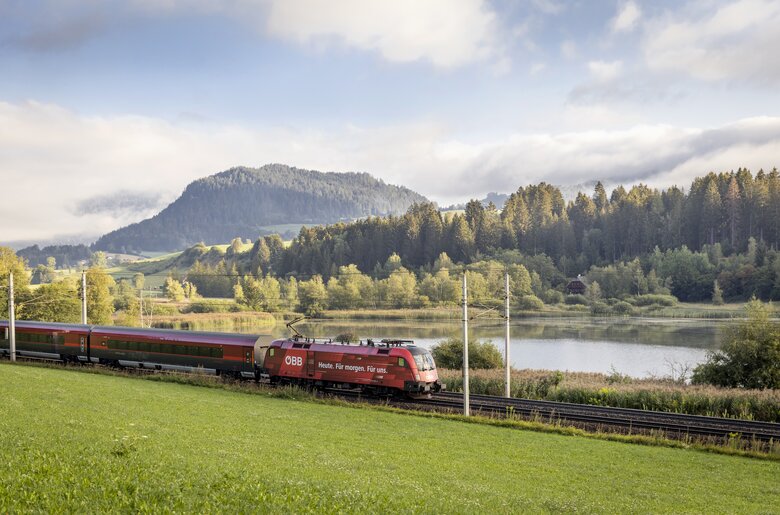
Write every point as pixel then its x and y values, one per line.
pixel 431 364
pixel 192 350
pixel 401 362
pixel 271 352
pixel 422 365
pixel 180 349
pixel 5 334
pixel 154 347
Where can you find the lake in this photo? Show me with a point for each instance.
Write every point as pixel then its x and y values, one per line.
pixel 632 346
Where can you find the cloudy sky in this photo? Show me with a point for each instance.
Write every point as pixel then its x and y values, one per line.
pixel 109 108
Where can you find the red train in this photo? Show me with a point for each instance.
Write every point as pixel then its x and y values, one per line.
pixel 160 349
pixel 383 367
pixel 389 366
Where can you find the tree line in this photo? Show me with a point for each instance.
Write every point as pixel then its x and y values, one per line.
pixel 724 229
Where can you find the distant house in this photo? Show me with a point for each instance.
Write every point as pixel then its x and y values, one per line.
pixel 576 287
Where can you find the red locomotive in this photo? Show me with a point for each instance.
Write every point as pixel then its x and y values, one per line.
pixel 389 366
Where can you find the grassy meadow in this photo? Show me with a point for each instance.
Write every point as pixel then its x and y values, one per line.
pixel 94 443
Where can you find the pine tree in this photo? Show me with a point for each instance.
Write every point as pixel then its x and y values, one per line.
pixel 717 294
pixel 600 198
pixel 733 207
pixel 711 209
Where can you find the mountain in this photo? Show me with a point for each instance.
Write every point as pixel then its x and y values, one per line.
pixel 248 202
pixel 498 200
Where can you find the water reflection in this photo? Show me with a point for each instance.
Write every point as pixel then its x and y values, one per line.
pixel 636 347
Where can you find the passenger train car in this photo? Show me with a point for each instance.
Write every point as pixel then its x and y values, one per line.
pixel 159 349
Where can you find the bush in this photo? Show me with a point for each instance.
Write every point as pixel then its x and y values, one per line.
pixel 345 337
pixel 530 303
pixel 623 308
pixel 579 300
pixel 449 354
pixel 750 356
pixel 600 308
pixel 552 297
pixel 210 306
pixel 163 309
pixel 650 299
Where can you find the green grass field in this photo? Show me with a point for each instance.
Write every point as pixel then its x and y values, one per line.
pixel 74 441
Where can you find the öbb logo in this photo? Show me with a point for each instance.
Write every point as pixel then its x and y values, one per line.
pixel 295 361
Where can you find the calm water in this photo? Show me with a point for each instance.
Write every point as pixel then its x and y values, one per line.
pixel 636 347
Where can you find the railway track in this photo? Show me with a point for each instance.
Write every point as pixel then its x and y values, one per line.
pixel 630 420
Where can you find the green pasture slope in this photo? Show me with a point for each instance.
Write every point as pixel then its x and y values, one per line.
pixel 82 442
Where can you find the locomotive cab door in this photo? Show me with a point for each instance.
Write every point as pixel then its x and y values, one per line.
pixel 310 368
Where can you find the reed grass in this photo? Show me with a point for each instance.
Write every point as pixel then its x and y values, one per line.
pixel 215 321
pixel 442 313
pixel 624 392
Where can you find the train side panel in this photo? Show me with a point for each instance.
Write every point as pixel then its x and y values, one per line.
pixel 173 351
pixel 348 365
pixel 48 340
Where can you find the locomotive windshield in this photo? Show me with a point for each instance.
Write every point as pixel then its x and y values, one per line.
pixel 424 361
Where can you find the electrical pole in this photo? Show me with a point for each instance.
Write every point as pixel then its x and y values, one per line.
pixel 11 318
pixel 506 339
pixel 466 410
pixel 83 297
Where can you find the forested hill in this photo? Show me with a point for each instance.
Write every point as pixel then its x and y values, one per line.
pixel 243 202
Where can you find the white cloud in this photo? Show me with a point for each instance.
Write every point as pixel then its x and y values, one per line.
pixel 736 42
pixel 549 6
pixel 537 68
pixel 445 33
pixel 626 18
pixel 569 49
pixel 603 71
pixel 56 159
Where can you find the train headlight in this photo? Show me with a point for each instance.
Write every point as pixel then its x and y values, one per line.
pixel 416 376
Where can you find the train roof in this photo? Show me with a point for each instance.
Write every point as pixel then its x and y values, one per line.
pixel 59 326
pixel 178 335
pixel 164 334
pixel 367 347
